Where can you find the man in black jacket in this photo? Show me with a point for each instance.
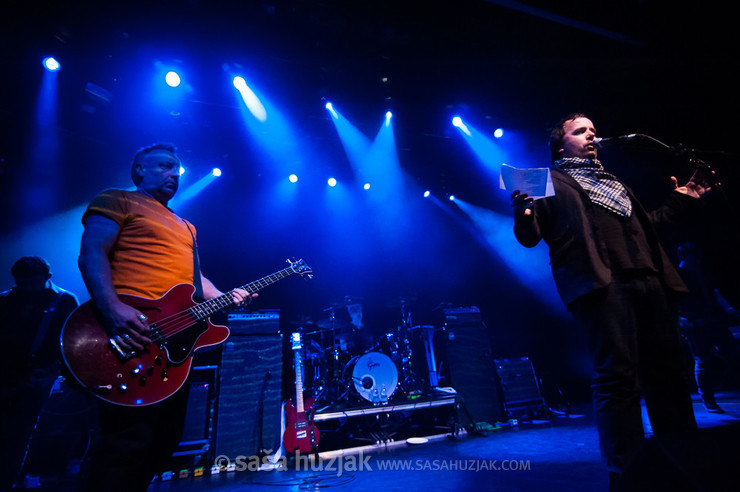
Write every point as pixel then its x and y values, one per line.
pixel 32 314
pixel 614 276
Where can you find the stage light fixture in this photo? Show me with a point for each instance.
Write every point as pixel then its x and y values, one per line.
pixel 51 64
pixel 293 178
pixel 216 172
pixel 452 198
pixel 182 170
pixel 172 79
pixel 367 186
pixel 458 123
pixel 498 133
pixel 330 107
pixel 427 193
pixel 240 83
pixel 332 182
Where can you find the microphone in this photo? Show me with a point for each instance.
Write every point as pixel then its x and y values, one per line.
pixel 604 142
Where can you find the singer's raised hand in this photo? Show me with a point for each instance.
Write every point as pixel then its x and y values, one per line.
pixel 696 187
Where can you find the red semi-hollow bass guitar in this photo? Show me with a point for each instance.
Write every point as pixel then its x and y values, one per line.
pixel 178 327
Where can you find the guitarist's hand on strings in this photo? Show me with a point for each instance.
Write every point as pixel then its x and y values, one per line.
pixel 127 325
pixel 242 297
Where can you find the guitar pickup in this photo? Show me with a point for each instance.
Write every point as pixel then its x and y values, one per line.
pixel 122 353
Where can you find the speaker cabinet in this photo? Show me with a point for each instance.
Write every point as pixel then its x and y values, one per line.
pixel 249 402
pixel 195 448
pixel 471 365
pixel 520 390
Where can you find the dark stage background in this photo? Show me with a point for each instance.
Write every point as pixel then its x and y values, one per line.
pixel 633 66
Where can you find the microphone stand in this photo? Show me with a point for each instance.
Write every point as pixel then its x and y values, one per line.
pixel 690 156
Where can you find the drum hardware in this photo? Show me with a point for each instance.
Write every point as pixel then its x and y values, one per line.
pixel 374 377
pixel 342 373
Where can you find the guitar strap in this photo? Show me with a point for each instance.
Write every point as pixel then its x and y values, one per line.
pixel 196 266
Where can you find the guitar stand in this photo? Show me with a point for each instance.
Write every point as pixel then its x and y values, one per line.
pixel 473 428
pixel 261 416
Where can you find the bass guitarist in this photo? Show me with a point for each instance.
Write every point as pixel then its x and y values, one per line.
pixel 134 244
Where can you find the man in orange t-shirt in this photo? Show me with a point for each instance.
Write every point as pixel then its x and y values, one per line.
pixel 134 244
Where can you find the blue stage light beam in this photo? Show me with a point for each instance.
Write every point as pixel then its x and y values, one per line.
pixel 330 107
pixel 42 153
pixel 56 238
pixel 531 265
pixel 488 152
pixel 375 162
pixel 190 192
pixel 269 129
pixel 253 103
pixel 382 167
pixel 458 123
pixel 356 145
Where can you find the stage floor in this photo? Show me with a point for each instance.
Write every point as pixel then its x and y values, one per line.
pixel 558 455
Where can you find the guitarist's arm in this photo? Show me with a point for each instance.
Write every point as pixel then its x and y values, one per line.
pixel 121 319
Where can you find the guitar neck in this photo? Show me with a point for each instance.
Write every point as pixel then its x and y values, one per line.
pixel 205 309
pixel 298 382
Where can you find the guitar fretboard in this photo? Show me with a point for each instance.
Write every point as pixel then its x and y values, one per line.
pixel 298 382
pixel 205 309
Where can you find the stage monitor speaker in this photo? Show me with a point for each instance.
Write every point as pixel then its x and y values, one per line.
pixel 520 390
pixel 249 402
pixel 195 448
pixel 201 400
pixel 471 365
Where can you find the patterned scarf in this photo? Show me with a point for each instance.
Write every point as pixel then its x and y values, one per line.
pixel 603 188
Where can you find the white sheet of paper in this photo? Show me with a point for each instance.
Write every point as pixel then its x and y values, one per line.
pixel 535 182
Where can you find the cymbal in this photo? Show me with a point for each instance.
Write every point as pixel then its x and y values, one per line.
pixel 346 301
pixel 336 324
pixel 400 301
pixel 303 320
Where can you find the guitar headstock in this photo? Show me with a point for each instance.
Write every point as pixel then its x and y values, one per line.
pixel 296 340
pixel 300 267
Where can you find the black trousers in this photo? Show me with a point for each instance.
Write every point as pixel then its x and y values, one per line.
pixel 635 347
pixel 134 443
pixel 714 349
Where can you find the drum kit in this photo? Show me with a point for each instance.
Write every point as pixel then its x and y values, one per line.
pixel 345 365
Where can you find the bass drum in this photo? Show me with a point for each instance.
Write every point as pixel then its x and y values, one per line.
pixel 374 377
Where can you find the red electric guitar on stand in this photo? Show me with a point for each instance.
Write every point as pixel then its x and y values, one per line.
pixel 301 435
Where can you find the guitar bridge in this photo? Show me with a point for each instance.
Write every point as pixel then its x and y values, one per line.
pixel 122 353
